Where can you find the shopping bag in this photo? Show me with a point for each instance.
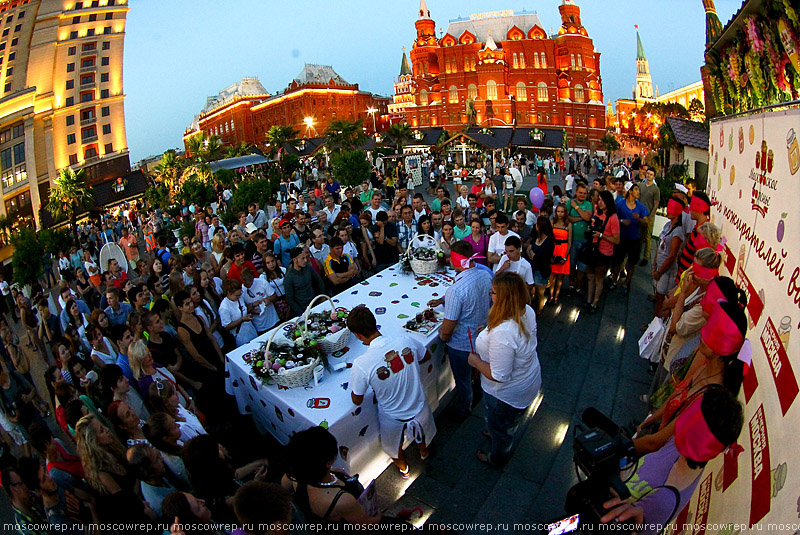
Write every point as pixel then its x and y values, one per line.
pixel 650 342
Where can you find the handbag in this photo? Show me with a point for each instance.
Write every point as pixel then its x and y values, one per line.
pixel 281 304
pixel 650 342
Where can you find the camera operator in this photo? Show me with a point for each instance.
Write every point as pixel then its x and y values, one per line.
pixel 666 479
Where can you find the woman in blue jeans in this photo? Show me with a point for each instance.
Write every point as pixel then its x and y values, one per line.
pixel 509 366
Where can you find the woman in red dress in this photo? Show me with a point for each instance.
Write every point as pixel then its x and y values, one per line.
pixel 562 233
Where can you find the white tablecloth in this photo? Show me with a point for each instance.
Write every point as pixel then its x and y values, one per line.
pixel 394 298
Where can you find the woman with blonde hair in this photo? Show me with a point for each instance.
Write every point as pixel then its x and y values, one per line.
pixel 217 247
pixel 146 372
pixel 103 459
pixel 505 355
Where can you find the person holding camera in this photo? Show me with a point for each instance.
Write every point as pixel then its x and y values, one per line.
pixel 665 480
pixel 507 360
pixel 604 233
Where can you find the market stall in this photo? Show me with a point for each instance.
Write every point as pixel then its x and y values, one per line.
pixel 395 298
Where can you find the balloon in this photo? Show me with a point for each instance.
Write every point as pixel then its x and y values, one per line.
pixel 537 197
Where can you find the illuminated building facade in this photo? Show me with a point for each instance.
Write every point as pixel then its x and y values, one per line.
pixel 623 120
pixel 311 101
pixel 62 97
pixel 503 69
pixel 403 88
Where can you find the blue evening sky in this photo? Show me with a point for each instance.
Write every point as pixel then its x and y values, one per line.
pixel 177 52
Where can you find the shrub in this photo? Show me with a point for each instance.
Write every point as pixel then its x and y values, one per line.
pixel 350 167
pixel 251 190
pixel 27 258
pixel 195 190
pixel 157 196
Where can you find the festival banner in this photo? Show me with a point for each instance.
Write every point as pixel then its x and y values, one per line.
pixel 754 178
pixel 703 502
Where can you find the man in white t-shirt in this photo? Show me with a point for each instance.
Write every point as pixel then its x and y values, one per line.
pixel 512 261
pixel 391 366
pixel 375 206
pixel 258 292
pixel 497 242
pixel 570 185
pixel 480 171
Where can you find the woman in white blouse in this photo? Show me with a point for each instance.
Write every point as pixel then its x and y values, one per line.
pixel 509 366
pixel 463 200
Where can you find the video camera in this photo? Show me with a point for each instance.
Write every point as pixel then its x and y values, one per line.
pixel 601 452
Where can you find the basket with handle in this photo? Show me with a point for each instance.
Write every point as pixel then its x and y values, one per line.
pixel 428 266
pixel 332 342
pixel 299 376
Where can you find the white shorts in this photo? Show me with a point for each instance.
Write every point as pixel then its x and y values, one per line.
pixel 395 433
pixel 15 430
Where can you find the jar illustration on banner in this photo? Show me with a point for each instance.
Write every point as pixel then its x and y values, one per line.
pixel 741 139
pixel 318 403
pixel 408 356
pixel 788 43
pixel 785 331
pixel 794 151
pixel 778 479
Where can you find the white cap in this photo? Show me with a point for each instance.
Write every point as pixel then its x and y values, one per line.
pixel 628 186
pixel 620 173
pixel 250 228
pixel 683 189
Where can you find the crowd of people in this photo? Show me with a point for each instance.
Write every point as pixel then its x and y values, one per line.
pixel 134 354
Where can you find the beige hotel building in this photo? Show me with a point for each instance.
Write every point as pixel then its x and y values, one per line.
pixel 61 98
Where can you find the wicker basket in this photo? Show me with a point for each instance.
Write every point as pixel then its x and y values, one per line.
pixel 333 342
pixel 299 376
pixel 423 267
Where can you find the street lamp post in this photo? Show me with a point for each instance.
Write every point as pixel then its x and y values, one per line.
pixel 309 124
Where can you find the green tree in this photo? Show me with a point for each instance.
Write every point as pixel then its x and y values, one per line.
pixel 564 140
pixel 697 111
pixel 610 144
pixel 278 136
pixel 225 177
pixel 157 196
pixel 70 195
pixel 203 149
pixel 196 190
pixel 350 167
pixel 290 163
pixel 345 135
pixel 242 148
pixel 5 228
pixel 251 190
pixel 54 241
pixel 169 169
pixel 398 135
pixel 667 141
pixel 27 258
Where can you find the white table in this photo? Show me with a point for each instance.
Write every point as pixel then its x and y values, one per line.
pixel 394 298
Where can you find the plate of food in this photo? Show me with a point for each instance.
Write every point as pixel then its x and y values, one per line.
pixel 425 322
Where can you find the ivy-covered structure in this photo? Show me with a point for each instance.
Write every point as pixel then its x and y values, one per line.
pixel 754 61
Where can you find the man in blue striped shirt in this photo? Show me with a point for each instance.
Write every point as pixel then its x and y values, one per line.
pixel 466 311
